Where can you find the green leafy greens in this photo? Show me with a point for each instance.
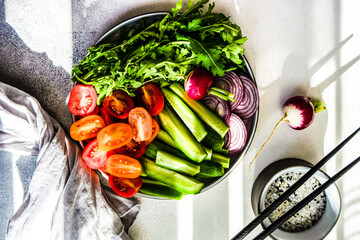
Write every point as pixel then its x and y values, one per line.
pixel 164 51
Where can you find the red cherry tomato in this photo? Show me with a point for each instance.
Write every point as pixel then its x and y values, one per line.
pixel 108 118
pixel 87 127
pixel 141 123
pixel 114 136
pixel 82 100
pixel 155 129
pixel 118 104
pixel 123 166
pixel 151 98
pixel 94 157
pixel 125 187
pixel 132 149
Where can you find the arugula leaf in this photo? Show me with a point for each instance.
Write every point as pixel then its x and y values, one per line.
pixel 164 51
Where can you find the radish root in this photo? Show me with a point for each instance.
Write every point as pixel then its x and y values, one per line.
pixel 271 135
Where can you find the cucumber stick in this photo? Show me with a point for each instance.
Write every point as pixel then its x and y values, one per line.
pixel 171 178
pixel 190 119
pixel 165 137
pixel 204 113
pixel 221 159
pixel 155 146
pixel 159 189
pixel 209 169
pixel 177 164
pixel 181 135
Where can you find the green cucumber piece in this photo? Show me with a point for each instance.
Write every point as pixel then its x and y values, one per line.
pixel 203 112
pixel 213 140
pixel 181 135
pixel 159 189
pixel 192 122
pixel 219 158
pixel 221 151
pixel 171 178
pixel 177 164
pixel 155 146
pixel 165 137
pixel 209 152
pixel 209 169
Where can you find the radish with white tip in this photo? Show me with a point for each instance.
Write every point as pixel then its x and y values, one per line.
pixel 299 113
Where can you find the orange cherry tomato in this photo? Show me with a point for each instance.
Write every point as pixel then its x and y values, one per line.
pixel 87 127
pixel 155 130
pixel 125 187
pixel 123 166
pixel 114 136
pixel 141 123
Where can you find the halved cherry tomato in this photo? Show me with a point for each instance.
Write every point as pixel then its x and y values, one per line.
pixel 123 166
pixel 151 98
pixel 82 99
pixel 108 119
pixel 118 104
pixel 125 187
pixel 95 112
pixel 141 123
pixel 94 157
pixel 155 129
pixel 114 136
pixel 87 127
pixel 132 149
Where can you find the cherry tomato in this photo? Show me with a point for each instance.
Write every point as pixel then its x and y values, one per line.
pixel 151 98
pixel 123 166
pixel 87 127
pixel 108 118
pixel 125 187
pixel 155 129
pixel 114 136
pixel 95 112
pixel 118 104
pixel 94 157
pixel 141 123
pixel 82 100
pixel 132 149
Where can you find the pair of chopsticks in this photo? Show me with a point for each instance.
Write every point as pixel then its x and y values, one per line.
pixel 264 214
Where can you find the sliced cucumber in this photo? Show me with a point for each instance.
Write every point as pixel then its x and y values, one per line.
pixel 209 169
pixel 177 164
pixel 159 189
pixel 171 178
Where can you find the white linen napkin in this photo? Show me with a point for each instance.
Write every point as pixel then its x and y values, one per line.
pixel 65 199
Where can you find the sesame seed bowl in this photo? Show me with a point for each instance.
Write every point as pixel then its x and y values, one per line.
pixel 316 219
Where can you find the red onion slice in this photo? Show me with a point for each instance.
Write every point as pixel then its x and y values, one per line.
pixel 250 102
pixel 237 136
pixel 233 84
pixel 218 105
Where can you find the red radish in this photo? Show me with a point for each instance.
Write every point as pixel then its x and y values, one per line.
pixel 197 83
pixel 298 112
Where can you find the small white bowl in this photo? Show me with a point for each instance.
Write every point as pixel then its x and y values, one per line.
pixel 333 199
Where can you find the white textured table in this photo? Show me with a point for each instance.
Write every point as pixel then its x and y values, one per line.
pixel 294 47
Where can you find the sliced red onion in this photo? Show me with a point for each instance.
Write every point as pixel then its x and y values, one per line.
pixel 231 83
pixel 250 102
pixel 237 135
pixel 218 105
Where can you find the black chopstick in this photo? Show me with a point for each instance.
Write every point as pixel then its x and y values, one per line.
pixel 305 201
pixel 264 214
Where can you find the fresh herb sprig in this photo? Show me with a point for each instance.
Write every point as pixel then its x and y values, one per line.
pixel 165 51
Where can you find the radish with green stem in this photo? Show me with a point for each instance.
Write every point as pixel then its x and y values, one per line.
pixel 197 86
pixel 299 113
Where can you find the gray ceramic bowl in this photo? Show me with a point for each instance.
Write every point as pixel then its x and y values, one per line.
pixel 116 34
pixel 275 170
